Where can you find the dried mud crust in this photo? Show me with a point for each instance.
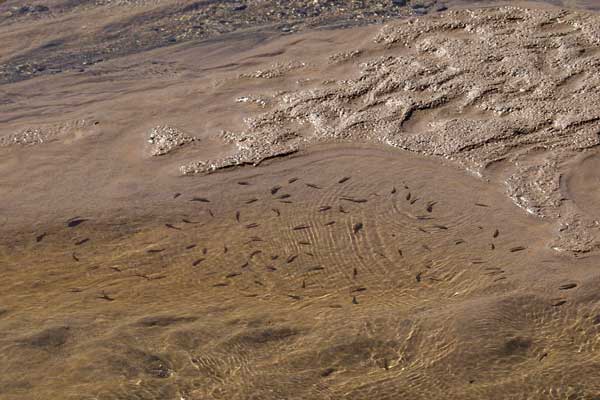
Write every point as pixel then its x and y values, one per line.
pixel 475 86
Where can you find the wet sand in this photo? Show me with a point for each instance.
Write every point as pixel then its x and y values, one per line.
pixel 369 212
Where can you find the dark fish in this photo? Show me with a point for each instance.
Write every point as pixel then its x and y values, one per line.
pixel 191 246
pixel 303 242
pixel 106 297
pixel 309 254
pixel 492 246
pixel 303 284
pixel 187 221
pixel 41 237
pixel 543 356
pixel 259 283
pixel 210 212
pixel 352 199
pixel 459 241
pixel 75 257
pixel 312 185
pixel 225 249
pixel 154 250
pixel 317 268
pixel 293 296
pixel 176 195
pixel 255 252
pixel 276 211
pixel 344 179
pixel 329 223
pixel 82 242
pixel 301 227
pixel 400 252
pixel 342 210
pixel 255 239
pixel 413 201
pixel 243 183
pixel 223 284
pixel 426 247
pixel 430 206
pixel 275 189
pixel 324 208
pixel 567 286
pixel 275 257
pixel 358 289
pixel 354 273
pixel 424 217
pixel 172 227
pixel 441 227
pixel 418 277
pixel 251 201
pixel 75 222
pixel 200 199
pixel 496 233
pixel 271 268
pixel 233 274
pixel 204 251
pixel 422 230
pixel 354 301
pixel 518 248
pixel 286 201
pixel 252 225
pixel 117 269
pixel 481 205
pixel 408 196
pixel 245 265
pixel 292 180
pixel 394 190
pixel 284 196
pixel 357 227
pixel 559 303
pixel 237 216
pixel 291 258
pixel 198 261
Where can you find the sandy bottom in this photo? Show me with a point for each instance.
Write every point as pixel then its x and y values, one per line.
pixel 360 213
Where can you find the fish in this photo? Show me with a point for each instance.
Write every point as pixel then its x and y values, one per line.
pixel 430 206
pixel 252 225
pixel 496 233
pixel 275 257
pixel 154 250
pixel 301 227
pixel 176 195
pixel 271 268
pixel 259 283
pixel 481 205
pixel 492 246
pixel 191 246
pixel 309 254
pixel 75 257
pixel 344 179
pixel 303 242
pixel 422 230
pixel 245 265
pixel 393 190
pixel 210 212
pixel 172 227
pixel 354 301
pixel 559 303
pixel 358 289
pixel 317 268
pixel 233 274
pixel 329 223
pixel 225 249
pixel 200 199
pixel 413 201
pixel 204 250
pixel 276 211
pixel 198 261
pixel 408 196
pixel 243 183
pixel 418 277
pixel 324 208
pixel 187 221
pixel 312 185
pixel 275 189
pixel 443 227
pixel 518 248
pixel 286 201
pixel 303 284
pixel 354 273
pixel 237 216
pixel 342 210
pixel 82 241
pixel 106 297
pixel 284 196
pixel 76 222
pixel 250 201
pixel 222 284
pixel 292 180
pixel 352 199
pixel 567 286
pixel 357 227
pixel 291 258
pixel 400 252
pixel 425 247
pixel 293 296
pixel 459 241
pixel 255 252
pixel 41 237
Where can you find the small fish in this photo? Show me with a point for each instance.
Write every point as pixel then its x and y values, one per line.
pixel 225 249
pixel 252 225
pixel 496 233
pixel 423 217
pixel 154 250
pixel 393 190
pixel 293 296
pixel 275 189
pixel 426 247
pixel 284 196
pixel 191 246
pixel 481 205
pixel 418 277
pixel 422 230
pixel 303 242
pixel 250 201
pixel 75 257
pixel 342 210
pixel 459 241
pixel 312 185
pixel 117 269
pixel 518 248
pixel 344 179
pixel 354 301
pixel 75 222
pixel 82 242
pixel 41 237
pixel 354 273
pixel 430 206
pixel 309 254
pixel 210 212
pixel 567 286
pixel 559 303
pixel 292 180
pixel 317 268
pixel 291 258
pixel 172 227
pixel 353 200
pixel 408 196
pixel 324 208
pixel 259 283
pixel 204 250
pixel 329 223
pixel 400 252
pixel 106 297
pixel 223 284
pixel 187 221
pixel 358 289
pixel 413 201
pixel 275 257
pixel 271 268
pixel 276 211
pixel 255 252
pixel 198 261
pixel 200 199
pixel 492 246
pixel 286 201
pixel 176 195
pixel 237 216
pixel 543 356
pixel 357 227
pixel 443 227
pixel 303 284
pixel 245 265
pixel 256 239
pixel 243 183
pixel 233 274
pixel 301 227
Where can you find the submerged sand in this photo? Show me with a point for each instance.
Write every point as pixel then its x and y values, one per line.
pixel 404 210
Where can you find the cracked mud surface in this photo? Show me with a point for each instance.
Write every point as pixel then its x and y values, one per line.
pixel 273 208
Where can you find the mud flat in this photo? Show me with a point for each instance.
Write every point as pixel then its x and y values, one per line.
pixel 401 210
